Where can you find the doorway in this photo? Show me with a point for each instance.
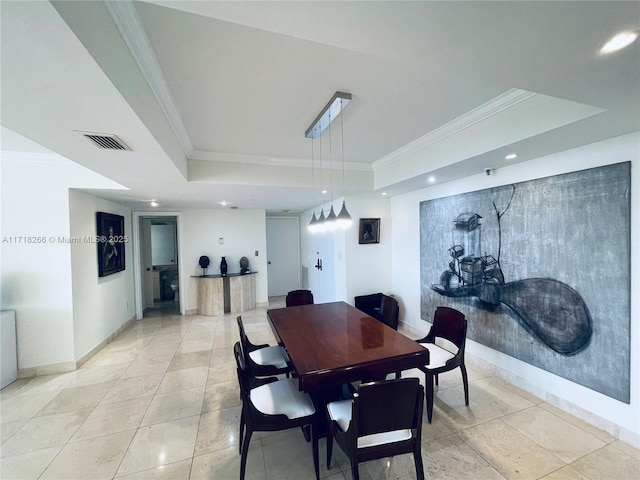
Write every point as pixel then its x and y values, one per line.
pixel 158 277
pixel 283 255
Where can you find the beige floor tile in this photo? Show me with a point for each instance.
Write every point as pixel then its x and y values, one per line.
pixel 184 379
pixel 29 465
pixel 46 383
pixel 174 405
pixel 93 459
pixel 8 429
pixel 113 418
pixel 288 455
pixel 23 407
pixel 174 471
pixel 196 345
pixel 14 387
pixel 115 357
pixel 566 473
pixel 581 424
pixel 76 398
pixel 556 435
pixel 98 374
pixel 160 444
pixel 450 458
pixel 226 464
pixel 134 387
pixel 510 452
pixel 219 396
pixel 189 360
pixel 616 461
pixel 149 365
pixel 218 430
pixel 44 432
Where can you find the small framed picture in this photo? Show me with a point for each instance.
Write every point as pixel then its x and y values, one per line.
pixel 369 230
pixel 110 240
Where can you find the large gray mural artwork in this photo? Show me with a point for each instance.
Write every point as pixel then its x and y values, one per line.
pixel 542 271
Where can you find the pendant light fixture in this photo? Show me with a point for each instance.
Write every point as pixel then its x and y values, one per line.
pixel 329 113
pixel 344 220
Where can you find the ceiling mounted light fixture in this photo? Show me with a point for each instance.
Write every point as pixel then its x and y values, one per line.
pixel 619 41
pixel 329 113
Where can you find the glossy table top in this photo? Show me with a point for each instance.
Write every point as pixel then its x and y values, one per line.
pixel 330 344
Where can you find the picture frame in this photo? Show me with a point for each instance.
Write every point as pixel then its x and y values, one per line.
pixel 369 231
pixel 110 240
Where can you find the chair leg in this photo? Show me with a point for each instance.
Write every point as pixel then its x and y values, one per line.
pixel 355 473
pixel 398 375
pixel 329 446
pixel 428 380
pixel 465 383
pixel 314 441
pixel 241 431
pixel 245 450
pixel 436 377
pixel 417 457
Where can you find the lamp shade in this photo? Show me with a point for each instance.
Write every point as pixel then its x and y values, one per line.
pixel 331 220
pixel 321 225
pixel 344 220
pixel 313 224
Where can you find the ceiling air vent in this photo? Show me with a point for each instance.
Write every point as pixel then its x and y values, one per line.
pixel 106 141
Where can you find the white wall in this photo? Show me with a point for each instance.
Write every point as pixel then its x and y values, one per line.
pixel 619 418
pixel 348 268
pixel 244 232
pixel 36 277
pixel 101 306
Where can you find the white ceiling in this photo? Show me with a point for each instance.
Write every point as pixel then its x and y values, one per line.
pixel 214 97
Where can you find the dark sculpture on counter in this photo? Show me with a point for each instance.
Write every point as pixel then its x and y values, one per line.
pixel 244 266
pixel 204 263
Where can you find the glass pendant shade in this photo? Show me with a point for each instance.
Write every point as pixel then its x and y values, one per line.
pixel 343 219
pixel 331 220
pixel 322 223
pixel 313 223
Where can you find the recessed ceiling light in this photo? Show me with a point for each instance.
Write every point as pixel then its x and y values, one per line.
pixel 153 203
pixel 431 179
pixel 619 41
pixel 224 203
pixel 511 156
pixel 324 192
pixel 384 194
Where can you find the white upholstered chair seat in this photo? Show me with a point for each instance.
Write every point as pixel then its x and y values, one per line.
pixel 438 356
pixel 282 398
pixel 275 356
pixel 340 412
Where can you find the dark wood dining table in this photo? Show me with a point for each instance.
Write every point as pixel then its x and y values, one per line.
pixel 331 344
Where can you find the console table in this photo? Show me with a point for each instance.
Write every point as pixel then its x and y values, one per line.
pixel 233 293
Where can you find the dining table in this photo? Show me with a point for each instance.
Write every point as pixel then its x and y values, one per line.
pixel 332 344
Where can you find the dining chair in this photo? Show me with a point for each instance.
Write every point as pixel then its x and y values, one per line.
pixel 383 419
pixel 449 325
pixel 299 297
pixel 382 307
pixel 273 405
pixel 262 360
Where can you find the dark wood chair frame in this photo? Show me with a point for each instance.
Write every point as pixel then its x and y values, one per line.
pixel 247 347
pixel 253 420
pixel 378 407
pixel 450 324
pixel 299 297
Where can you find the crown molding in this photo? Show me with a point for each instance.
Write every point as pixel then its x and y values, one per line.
pixel 128 22
pixel 498 104
pixel 273 161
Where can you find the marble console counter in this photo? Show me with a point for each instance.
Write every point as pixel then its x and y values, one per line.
pixel 233 293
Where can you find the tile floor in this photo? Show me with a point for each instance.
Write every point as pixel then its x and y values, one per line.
pixel 161 402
